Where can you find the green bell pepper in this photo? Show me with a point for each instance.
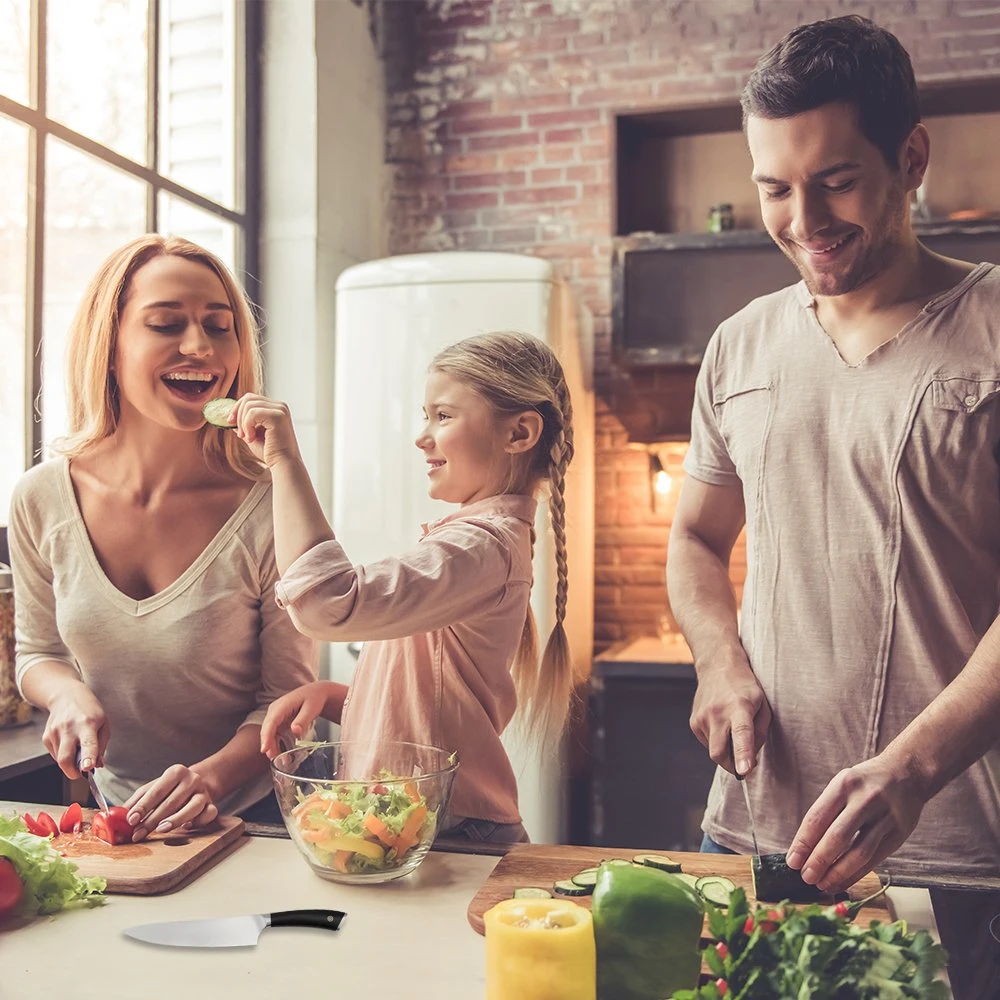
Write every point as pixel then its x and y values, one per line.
pixel 647 926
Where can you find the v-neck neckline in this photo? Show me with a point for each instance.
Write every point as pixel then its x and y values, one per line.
pixel 136 606
pixel 935 304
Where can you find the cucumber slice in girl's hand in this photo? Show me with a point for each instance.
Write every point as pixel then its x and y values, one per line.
pixel 218 412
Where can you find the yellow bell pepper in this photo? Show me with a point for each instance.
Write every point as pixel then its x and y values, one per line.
pixel 356 844
pixel 540 949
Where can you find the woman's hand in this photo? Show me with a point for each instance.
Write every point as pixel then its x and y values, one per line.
pixel 266 426
pixel 77 729
pixel 296 710
pixel 180 797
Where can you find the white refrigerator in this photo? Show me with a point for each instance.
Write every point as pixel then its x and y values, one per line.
pixel 393 316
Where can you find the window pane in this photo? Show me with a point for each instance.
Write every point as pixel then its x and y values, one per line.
pixel 15 48
pixel 197 96
pixel 181 218
pixel 13 261
pixel 90 210
pixel 97 71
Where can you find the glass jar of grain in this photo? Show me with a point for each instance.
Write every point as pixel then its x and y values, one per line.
pixel 14 710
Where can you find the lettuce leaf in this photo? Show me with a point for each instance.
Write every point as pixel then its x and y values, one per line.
pixel 51 883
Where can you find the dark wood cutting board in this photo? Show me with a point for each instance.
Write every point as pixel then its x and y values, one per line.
pixel 543 864
pixel 158 864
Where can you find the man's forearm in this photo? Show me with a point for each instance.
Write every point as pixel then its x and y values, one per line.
pixel 703 601
pixel 299 521
pixel 959 725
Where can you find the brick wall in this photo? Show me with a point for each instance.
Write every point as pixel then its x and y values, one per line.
pixel 500 137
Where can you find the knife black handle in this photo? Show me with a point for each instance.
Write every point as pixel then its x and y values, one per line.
pixel 328 920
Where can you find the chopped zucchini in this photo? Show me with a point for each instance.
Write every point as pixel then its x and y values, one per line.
pixel 716 889
pixel 567 887
pixel 532 892
pixel 218 412
pixel 774 881
pixel 660 861
pixel 587 878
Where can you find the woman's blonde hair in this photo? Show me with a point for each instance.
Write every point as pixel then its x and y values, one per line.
pixel 515 372
pixel 94 408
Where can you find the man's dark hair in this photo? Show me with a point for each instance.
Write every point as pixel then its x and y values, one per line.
pixel 849 59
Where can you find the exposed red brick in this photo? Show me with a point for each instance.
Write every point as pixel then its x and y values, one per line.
pixel 471 163
pixel 489 123
pixel 506 178
pixel 569 135
pixel 474 199
pixel 541 195
pixel 507 140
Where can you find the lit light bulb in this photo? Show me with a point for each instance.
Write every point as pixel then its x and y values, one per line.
pixel 662 482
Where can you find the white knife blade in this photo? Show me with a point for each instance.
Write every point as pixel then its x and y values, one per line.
pixel 231 932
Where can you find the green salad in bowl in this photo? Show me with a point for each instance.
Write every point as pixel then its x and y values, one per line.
pixel 363 812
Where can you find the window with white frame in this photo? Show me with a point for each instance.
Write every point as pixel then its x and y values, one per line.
pixel 117 117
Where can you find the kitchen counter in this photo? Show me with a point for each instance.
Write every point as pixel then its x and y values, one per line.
pixel 21 749
pixel 404 938
pixel 647 657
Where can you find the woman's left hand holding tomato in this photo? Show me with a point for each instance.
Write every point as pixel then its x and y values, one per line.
pixel 180 797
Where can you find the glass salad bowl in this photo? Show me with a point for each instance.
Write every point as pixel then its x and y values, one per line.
pixel 363 812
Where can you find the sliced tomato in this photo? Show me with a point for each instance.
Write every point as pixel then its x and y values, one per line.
pixel 32 824
pixel 48 825
pixel 112 826
pixel 71 821
pixel 11 888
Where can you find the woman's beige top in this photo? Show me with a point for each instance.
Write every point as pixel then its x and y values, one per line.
pixel 177 673
pixel 441 624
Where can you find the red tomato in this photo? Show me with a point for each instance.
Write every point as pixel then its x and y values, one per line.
pixel 841 910
pixel 11 888
pixel 112 826
pixel 721 950
pixel 379 790
pixel 32 824
pixel 71 821
pixel 748 925
pixel 722 986
pixel 47 825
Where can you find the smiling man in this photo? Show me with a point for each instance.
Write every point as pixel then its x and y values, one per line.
pixel 852 422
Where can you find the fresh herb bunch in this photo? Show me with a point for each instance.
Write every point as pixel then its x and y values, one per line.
pixel 815 952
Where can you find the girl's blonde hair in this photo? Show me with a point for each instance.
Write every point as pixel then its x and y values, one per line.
pixel 94 408
pixel 515 372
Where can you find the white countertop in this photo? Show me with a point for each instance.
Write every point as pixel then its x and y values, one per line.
pixel 405 938
pixel 408 938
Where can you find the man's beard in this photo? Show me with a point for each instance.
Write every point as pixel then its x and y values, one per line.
pixel 869 259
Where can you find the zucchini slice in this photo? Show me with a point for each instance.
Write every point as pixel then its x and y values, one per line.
pixel 660 861
pixel 218 412
pixel 716 889
pixel 587 879
pixel 567 887
pixel 692 880
pixel 774 881
pixel 531 892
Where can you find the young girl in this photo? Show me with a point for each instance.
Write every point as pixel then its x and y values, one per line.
pixel 143 558
pixel 450 645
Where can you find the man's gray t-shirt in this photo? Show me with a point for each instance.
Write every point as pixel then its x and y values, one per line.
pixel 872 497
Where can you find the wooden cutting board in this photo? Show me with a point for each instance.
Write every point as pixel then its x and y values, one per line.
pixel 543 864
pixel 158 864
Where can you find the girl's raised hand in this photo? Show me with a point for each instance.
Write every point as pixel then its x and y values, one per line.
pixel 266 426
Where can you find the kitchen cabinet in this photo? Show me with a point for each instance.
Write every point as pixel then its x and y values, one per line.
pixel 650 776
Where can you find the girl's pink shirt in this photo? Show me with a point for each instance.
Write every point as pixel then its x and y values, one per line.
pixel 440 625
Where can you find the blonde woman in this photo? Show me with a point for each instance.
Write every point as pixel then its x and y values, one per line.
pixel 143 557
pixel 450 648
